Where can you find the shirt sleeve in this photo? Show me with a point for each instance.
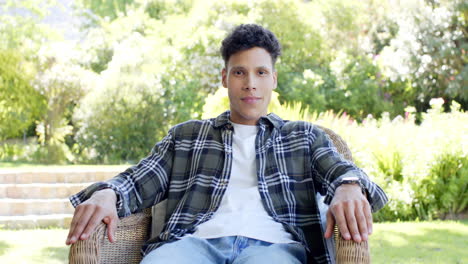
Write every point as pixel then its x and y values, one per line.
pixel 140 186
pixel 329 167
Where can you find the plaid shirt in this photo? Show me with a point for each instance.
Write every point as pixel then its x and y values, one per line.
pixel 191 166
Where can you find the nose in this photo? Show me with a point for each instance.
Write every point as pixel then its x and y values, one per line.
pixel 250 82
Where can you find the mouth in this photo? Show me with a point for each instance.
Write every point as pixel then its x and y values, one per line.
pixel 250 99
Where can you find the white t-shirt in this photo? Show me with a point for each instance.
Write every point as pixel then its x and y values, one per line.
pixel 241 212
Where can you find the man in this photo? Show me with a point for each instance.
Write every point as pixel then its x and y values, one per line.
pixel 241 187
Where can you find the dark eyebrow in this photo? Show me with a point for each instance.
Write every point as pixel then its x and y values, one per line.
pixel 256 68
pixel 237 68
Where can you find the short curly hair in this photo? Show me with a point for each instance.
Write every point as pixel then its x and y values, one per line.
pixel 246 36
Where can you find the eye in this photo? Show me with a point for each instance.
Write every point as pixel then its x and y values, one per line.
pixel 262 72
pixel 238 72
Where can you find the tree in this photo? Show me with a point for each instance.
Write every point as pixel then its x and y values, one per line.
pixel 20 26
pixel 428 54
pixel 20 103
pixel 21 36
pixel 109 9
pixel 63 83
pixel 440 62
pixel 112 9
pixel 142 92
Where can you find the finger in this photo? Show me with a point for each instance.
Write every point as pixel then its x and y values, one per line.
pixel 82 222
pixel 361 222
pixel 95 219
pixel 368 215
pixel 76 215
pixel 330 224
pixel 351 222
pixel 78 218
pixel 341 221
pixel 111 227
pixel 107 220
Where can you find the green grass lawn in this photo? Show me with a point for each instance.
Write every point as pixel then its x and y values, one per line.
pixel 441 242
pixel 420 243
pixel 33 246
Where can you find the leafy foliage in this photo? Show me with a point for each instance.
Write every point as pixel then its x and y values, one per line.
pixel 24 32
pixel 135 103
pixel 429 52
pixel 20 104
pixel 440 60
pixel 107 8
pixel 63 84
pixel 160 9
pixel 444 193
pixel 358 89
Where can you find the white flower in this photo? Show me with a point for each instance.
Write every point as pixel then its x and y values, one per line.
pixel 436 103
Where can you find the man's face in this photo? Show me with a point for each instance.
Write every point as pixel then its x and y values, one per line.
pixel 250 79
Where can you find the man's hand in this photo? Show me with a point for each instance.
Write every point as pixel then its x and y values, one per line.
pixel 100 207
pixel 351 211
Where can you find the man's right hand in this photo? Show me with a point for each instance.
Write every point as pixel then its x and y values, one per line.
pixel 100 207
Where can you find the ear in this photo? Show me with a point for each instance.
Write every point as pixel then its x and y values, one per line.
pixel 275 79
pixel 224 77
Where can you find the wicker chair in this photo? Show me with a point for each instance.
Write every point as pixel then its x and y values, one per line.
pixel 134 230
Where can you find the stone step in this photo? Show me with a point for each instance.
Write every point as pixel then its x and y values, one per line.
pixel 58 176
pixel 36 221
pixel 18 207
pixel 40 190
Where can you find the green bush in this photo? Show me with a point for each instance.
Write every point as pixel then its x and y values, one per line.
pixel 160 9
pixel 20 103
pixel 358 90
pixel 136 100
pixel 117 125
pixel 123 124
pixel 105 8
pixel 428 52
pixel 62 82
pixel 444 193
pixel 18 150
pixel 10 152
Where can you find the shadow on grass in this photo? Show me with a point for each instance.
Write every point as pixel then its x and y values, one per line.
pixel 58 253
pixel 4 246
pixel 427 245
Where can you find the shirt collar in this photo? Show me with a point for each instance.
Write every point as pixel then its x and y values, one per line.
pixel 223 120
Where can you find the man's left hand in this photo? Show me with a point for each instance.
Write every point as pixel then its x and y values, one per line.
pixel 351 211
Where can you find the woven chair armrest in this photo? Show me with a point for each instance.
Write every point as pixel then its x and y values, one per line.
pixel 131 233
pixel 350 252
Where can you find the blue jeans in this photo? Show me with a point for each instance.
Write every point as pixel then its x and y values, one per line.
pixel 226 250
